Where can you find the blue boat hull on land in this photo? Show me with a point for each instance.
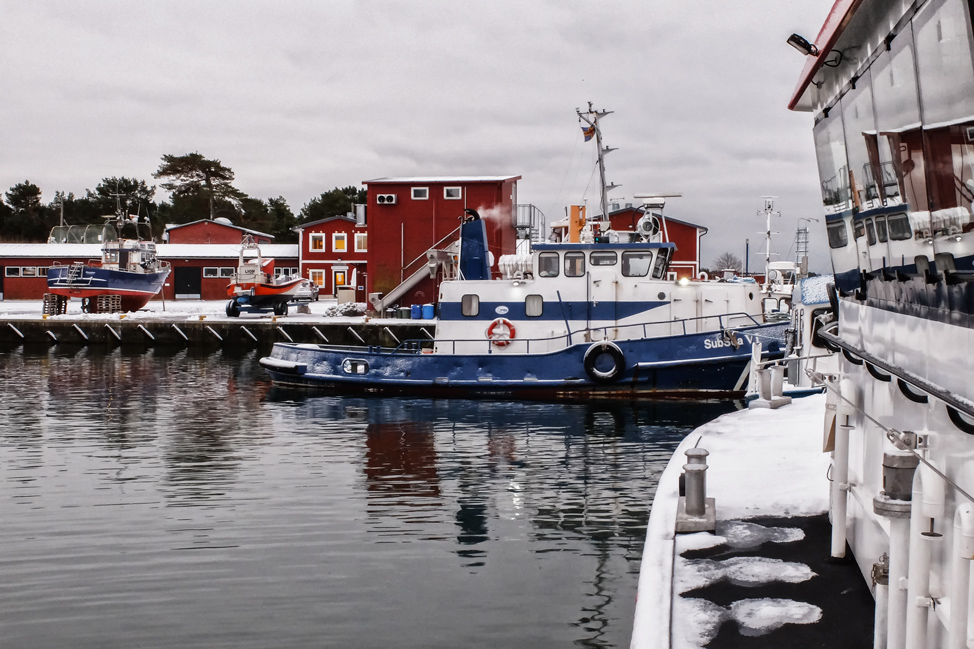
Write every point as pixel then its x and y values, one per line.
pixel 135 289
pixel 686 366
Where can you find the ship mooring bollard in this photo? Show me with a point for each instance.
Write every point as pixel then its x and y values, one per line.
pixel 696 512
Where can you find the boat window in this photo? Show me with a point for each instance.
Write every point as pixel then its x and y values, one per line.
pixel 662 261
pixel 859 229
pixel 355 366
pixel 470 305
pixel 574 264
pixel 838 235
pixel 881 229
pixel 548 264
pixel 533 305
pixel 636 264
pixel 816 325
pixel 899 227
pixel 603 258
pixel 111 256
pixel 870 232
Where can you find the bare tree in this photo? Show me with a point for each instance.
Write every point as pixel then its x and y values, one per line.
pixel 727 260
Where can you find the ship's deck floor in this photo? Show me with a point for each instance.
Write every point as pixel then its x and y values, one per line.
pixel 764 577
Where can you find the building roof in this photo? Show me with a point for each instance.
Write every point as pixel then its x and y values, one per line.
pixel 412 180
pixel 163 250
pixel 302 226
pixel 224 222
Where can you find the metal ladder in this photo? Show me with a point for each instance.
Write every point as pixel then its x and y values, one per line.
pixel 75 272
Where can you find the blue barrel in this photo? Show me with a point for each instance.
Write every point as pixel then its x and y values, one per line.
pixel 428 312
pixel 416 311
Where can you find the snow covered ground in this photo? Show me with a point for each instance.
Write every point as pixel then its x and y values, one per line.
pixel 193 309
pixel 763 463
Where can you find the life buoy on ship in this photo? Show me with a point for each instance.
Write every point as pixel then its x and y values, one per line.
pixel 500 332
pixel 596 362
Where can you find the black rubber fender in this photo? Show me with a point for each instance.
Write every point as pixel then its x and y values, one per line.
pixel 594 353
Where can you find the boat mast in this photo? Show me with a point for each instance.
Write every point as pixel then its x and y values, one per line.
pixel 592 117
pixel 768 212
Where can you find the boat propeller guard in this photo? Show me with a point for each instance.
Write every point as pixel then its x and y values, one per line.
pixel 594 362
pixel 500 332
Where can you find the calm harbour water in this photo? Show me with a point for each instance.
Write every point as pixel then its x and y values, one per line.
pixel 170 499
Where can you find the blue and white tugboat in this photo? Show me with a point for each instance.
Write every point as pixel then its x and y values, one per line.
pixel 569 320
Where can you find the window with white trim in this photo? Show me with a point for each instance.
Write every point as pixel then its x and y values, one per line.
pixel 28 271
pixel 361 241
pixel 211 271
pixel 318 277
pixel 226 271
pixel 12 271
pixel 452 193
pixel 421 193
pixel 339 242
pixel 317 242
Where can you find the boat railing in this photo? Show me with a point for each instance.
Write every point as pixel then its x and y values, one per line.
pixel 726 324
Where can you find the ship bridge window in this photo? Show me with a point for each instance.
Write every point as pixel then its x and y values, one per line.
pixel 533 306
pixel 548 264
pixel 574 264
pixel 881 232
pixel 870 232
pixel 662 261
pixel 859 228
pixel 470 305
pixel 838 235
pixel 603 258
pixel 636 264
pixel 899 227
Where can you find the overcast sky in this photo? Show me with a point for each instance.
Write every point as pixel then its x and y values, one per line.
pixel 299 97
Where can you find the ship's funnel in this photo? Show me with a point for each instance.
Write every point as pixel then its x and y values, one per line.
pixel 474 259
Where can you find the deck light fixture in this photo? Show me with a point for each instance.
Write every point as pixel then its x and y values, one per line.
pixel 802 45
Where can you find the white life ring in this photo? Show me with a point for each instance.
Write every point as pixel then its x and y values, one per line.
pixel 500 332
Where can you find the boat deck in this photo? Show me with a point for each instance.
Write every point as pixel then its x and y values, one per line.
pixel 763 578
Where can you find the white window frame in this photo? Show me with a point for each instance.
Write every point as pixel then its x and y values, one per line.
pixel 335 238
pixel 316 236
pixel 448 190
pixel 226 271
pixel 28 271
pixel 210 272
pixel 12 271
pixel 671 276
pixel 317 275
pixel 421 193
pixel 364 237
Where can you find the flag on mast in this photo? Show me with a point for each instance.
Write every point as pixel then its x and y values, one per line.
pixel 589 132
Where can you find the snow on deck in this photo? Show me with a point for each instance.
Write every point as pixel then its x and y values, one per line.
pixel 763 463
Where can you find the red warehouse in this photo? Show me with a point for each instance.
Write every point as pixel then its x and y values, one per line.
pixel 219 230
pixel 408 216
pixel 333 254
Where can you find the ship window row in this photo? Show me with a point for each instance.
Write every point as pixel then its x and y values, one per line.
pixel 217 271
pixel 635 263
pixel 879 229
pixel 25 271
pixel 533 305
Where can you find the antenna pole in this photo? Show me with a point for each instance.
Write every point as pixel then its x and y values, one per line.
pixel 591 117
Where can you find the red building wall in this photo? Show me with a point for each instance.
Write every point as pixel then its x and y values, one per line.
pixel 213 232
pixel 329 262
pixel 401 233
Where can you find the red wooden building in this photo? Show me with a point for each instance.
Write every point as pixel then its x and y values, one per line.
pixel 334 254
pixel 408 216
pixel 219 230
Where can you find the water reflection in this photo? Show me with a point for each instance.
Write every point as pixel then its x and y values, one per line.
pixel 198 493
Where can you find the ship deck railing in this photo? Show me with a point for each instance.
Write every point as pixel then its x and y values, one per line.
pixel 727 324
